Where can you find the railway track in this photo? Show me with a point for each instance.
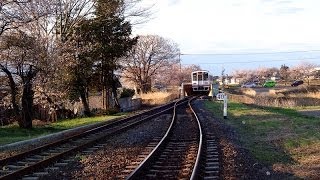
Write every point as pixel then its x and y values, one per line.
pixel 183 153
pixel 26 165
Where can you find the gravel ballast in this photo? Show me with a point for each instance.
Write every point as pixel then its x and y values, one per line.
pixel 121 150
pixel 118 152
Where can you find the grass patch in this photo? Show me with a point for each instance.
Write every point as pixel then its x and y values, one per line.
pixel 306 107
pixel 68 124
pixel 268 154
pixel 270 134
pixel 12 133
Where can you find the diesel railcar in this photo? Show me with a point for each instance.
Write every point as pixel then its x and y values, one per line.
pixel 200 81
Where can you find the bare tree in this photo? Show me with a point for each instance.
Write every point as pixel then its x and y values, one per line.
pixel 245 75
pixel 259 74
pixel 63 15
pixel 152 55
pixel 14 14
pixel 23 56
pixel 68 14
pixel 302 71
pixel 134 11
pixel 52 22
pixel 47 26
pixel 284 73
pixel 9 18
pixel 176 74
pixel 56 31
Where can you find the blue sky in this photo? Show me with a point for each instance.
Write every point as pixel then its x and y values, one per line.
pixel 235 34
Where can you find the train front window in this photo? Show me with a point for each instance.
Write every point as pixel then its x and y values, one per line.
pixel 199 77
pixel 205 76
pixel 194 76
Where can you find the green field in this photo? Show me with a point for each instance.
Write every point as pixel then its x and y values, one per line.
pixel 12 133
pixel 273 135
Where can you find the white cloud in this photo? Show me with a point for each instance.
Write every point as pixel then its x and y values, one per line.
pixel 231 25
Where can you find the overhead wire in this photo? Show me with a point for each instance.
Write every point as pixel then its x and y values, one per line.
pixel 247 53
pixel 255 61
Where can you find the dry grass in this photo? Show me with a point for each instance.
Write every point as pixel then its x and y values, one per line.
pixel 241 98
pixel 299 90
pixel 272 101
pixel 157 98
pixel 300 96
pixel 307 162
pixel 297 135
pixel 249 92
pixel 315 95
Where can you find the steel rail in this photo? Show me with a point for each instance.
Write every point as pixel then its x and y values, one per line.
pixel 78 135
pixel 196 167
pixel 28 169
pixel 148 159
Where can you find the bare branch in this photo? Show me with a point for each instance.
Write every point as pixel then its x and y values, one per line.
pixel 151 56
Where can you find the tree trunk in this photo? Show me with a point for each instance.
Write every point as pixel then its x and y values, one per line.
pixel 13 90
pixel 146 88
pixel 146 85
pixel 84 101
pixel 107 97
pixel 27 103
pixel 115 96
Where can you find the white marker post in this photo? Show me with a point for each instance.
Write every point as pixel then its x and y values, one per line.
pixel 225 106
pixel 223 97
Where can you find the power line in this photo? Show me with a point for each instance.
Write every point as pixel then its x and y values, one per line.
pixel 247 53
pixel 266 61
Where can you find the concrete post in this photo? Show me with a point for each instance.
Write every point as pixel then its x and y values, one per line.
pixel 182 91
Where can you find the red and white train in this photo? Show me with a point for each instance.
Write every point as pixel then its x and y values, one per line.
pixel 200 81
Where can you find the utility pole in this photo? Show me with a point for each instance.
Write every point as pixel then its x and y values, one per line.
pixel 180 60
pixel 180 70
pixel 223 78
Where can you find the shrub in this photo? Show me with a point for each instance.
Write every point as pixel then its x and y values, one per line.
pixel 110 111
pixel 127 93
pixel 249 92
